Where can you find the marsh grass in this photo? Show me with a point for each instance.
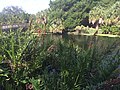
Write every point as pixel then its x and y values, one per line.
pixel 55 64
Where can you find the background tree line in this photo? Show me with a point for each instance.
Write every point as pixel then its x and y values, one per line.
pixel 72 13
pixel 13 14
pixel 67 14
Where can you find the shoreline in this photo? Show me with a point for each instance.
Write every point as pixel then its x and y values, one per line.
pixel 102 35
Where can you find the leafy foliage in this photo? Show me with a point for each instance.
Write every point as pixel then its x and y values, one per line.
pixel 13 14
pixel 71 12
pixel 109 12
pixel 46 64
pixel 74 13
pixel 58 64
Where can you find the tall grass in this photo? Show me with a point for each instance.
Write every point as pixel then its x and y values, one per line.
pixel 54 64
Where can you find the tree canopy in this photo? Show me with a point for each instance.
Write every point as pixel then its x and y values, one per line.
pixel 67 14
pixel 13 14
pixel 72 13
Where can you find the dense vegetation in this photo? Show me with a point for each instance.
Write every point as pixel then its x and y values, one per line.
pixel 30 61
pixel 66 15
pixel 27 60
pixel 71 13
pixel 13 14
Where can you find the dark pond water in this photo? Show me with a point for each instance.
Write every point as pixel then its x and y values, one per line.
pixel 86 41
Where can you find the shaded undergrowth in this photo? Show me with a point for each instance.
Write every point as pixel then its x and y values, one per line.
pixel 37 62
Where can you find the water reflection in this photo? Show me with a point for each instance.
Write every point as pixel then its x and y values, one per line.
pixel 86 42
